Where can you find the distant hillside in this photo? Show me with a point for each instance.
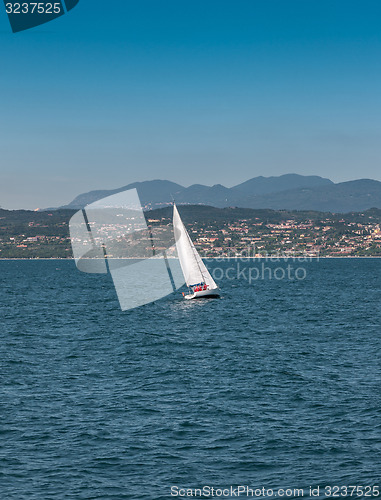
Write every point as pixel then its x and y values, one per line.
pixel 26 234
pixel 265 185
pixel 206 215
pixel 286 192
pixel 351 196
pixel 152 193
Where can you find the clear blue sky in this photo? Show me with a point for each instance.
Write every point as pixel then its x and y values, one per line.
pixel 191 91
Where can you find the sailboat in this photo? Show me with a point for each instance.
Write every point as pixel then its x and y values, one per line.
pixel 197 277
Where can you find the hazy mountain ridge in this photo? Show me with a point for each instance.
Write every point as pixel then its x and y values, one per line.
pixel 286 192
pixel 265 185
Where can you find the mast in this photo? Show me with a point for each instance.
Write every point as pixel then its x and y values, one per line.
pixel 195 253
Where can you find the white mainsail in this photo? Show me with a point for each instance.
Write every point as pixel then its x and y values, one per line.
pixel 194 269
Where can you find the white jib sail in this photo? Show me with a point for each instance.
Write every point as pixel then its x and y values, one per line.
pixel 193 267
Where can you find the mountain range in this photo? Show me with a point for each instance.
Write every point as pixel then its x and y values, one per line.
pixel 285 192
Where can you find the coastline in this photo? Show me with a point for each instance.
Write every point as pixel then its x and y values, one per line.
pixel 269 257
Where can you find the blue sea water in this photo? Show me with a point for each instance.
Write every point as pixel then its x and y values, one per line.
pixel 276 385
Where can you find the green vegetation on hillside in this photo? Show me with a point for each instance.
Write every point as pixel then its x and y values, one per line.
pixel 215 231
